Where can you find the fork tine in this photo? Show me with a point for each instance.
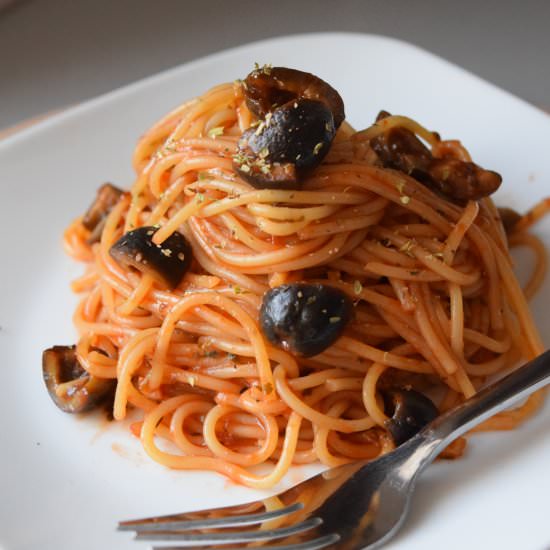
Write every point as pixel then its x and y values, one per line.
pixel 204 539
pixel 314 544
pixel 166 523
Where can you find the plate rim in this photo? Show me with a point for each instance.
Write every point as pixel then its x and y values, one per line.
pixel 95 101
pixel 103 99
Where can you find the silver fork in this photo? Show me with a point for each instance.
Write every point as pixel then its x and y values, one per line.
pixel 352 507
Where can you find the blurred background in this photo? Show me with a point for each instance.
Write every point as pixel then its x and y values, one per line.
pixel 55 53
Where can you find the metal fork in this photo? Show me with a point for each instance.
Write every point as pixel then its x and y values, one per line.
pixel 352 507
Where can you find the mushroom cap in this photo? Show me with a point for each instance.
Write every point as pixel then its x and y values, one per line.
pixel 93 220
pixel 71 388
pixel 292 141
pixel 167 262
pixel 456 180
pixel 269 87
pixel 410 411
pixel 304 319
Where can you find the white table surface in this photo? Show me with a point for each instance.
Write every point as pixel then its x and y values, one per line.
pixel 56 53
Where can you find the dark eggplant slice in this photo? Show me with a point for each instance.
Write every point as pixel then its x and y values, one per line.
pixel 410 411
pixel 167 263
pixel 107 197
pixel 304 319
pixel 292 141
pixel 71 388
pixel 457 180
pixel 267 88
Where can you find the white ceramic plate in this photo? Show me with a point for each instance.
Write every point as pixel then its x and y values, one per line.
pixel 65 482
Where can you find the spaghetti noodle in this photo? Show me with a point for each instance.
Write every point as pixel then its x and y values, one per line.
pixel 437 307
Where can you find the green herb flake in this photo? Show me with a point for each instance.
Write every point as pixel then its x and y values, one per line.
pixel 215 132
pixel 264 152
pixel 266 69
pixel 317 148
pixel 357 287
pixel 400 186
pixel 407 248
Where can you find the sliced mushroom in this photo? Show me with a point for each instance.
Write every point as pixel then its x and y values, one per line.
pixel 299 114
pixel 459 181
pixel 509 217
pixel 382 115
pixel 267 88
pixel 71 388
pixel 292 141
pixel 167 263
pixel 94 219
pixel 304 319
pixel 410 411
pixel 462 181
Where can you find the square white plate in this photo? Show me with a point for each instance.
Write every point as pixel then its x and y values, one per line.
pixel 64 482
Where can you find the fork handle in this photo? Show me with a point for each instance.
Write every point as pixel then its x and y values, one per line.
pixel 492 399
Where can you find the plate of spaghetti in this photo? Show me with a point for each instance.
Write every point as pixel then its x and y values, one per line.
pixel 276 267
